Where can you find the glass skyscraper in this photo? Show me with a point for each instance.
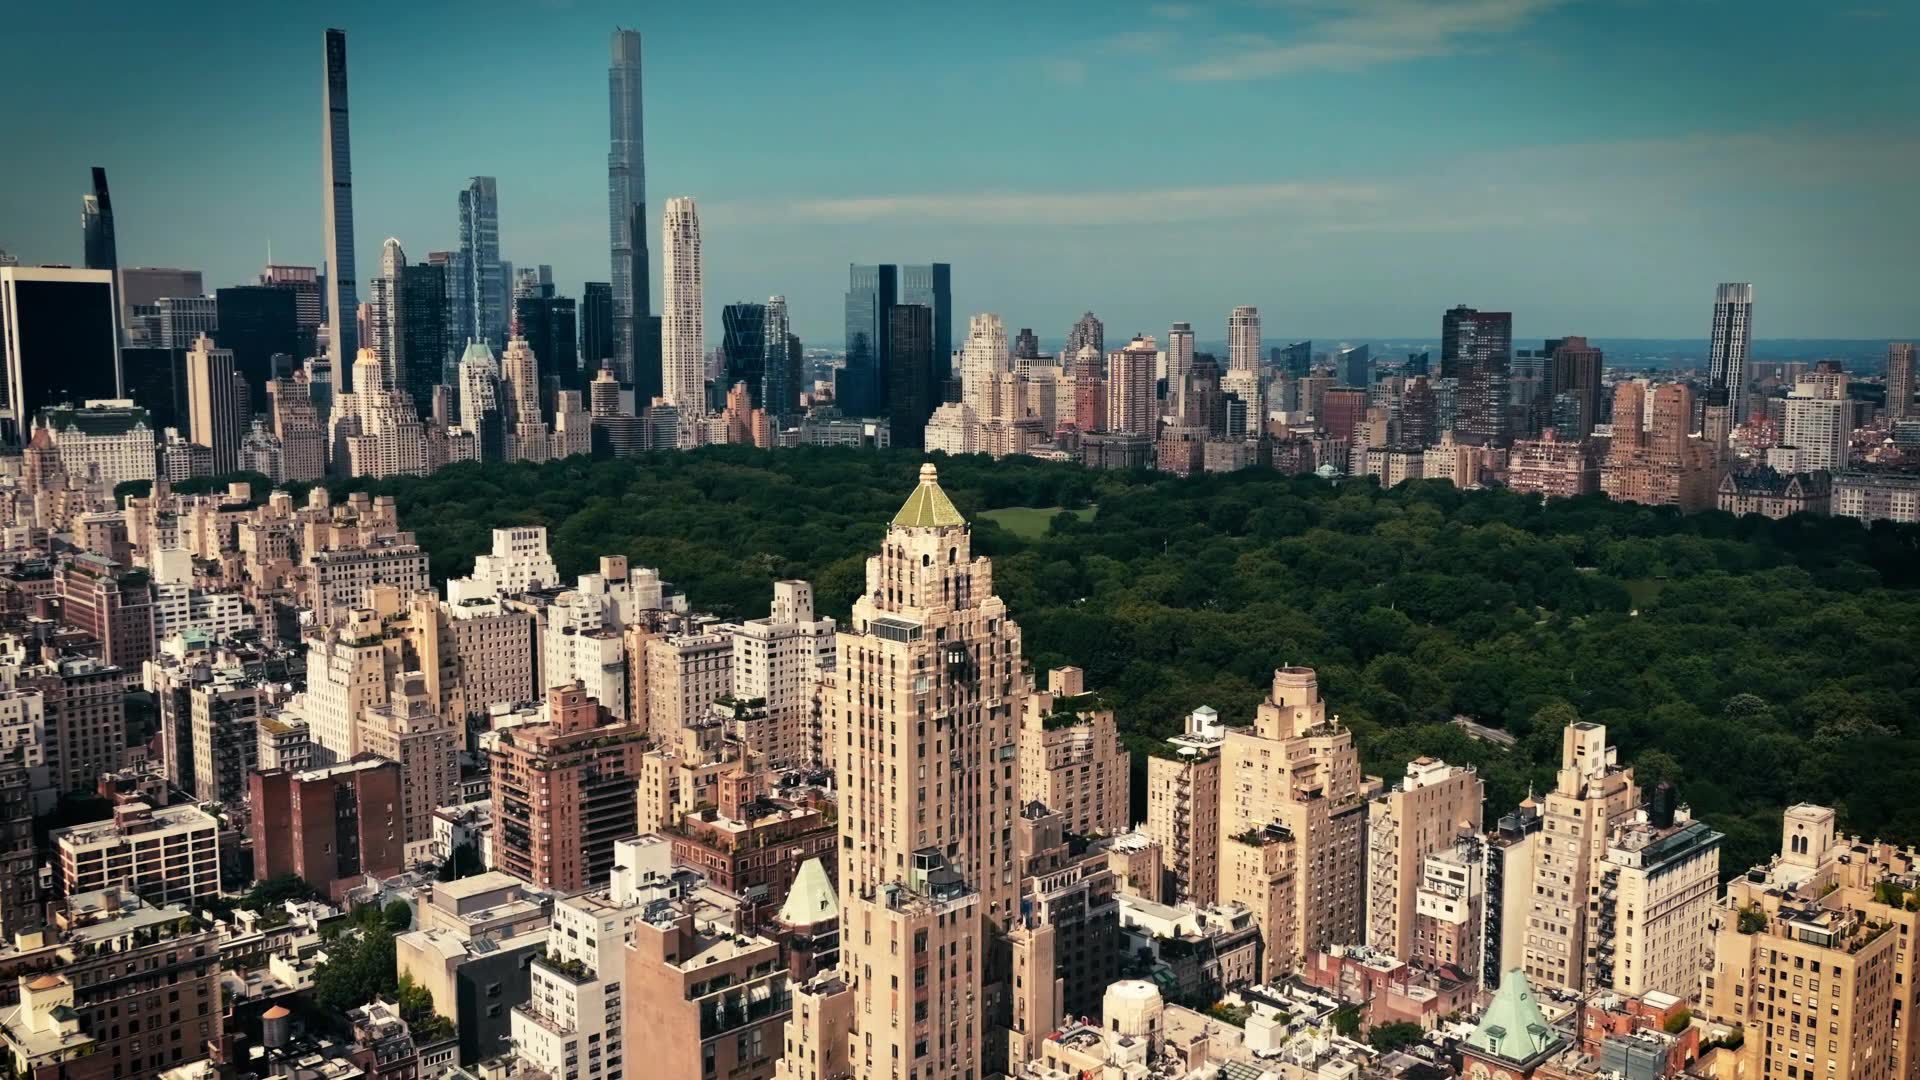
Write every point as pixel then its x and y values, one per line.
pixel 636 336
pixel 485 317
pixel 931 286
pixel 343 301
pixel 596 327
pixel 861 386
pixel 744 348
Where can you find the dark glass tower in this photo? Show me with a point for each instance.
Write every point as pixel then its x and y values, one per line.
pixel 59 329
pixel 910 381
pixel 744 348
pixel 931 286
pixel 636 334
pixel 596 327
pixel 485 317
pixel 861 388
pixel 96 219
pixel 343 302
pixel 1476 347
pixel 426 335
pixel 256 322
pixel 551 326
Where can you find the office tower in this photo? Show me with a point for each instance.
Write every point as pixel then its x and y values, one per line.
pixel 184 318
pixel 909 378
pixel 1576 371
pixel 384 329
pixel 861 385
pixel 1476 347
pixel 1026 346
pixel 1296 360
pixel 1355 366
pixel 96 222
pixel 1087 331
pixel 1419 363
pixel 550 325
pixel 780 383
pixel 483 290
pixel 1592 794
pixel 982 359
pixel 627 222
pixel 426 337
pixel 1421 815
pixel 1291 839
pixel 683 350
pixel 343 299
pixel 1900 372
pixel 143 286
pixel 1816 428
pixel 596 327
pixel 931 286
pixel 215 413
pixel 743 349
pixel 926 869
pixel 256 323
pixel 59 338
pixel 309 306
pixel 563 792
pixel 1131 408
pixel 1727 352
pixel 156 380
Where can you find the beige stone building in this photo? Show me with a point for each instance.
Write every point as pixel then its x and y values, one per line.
pixel 1552 466
pixel 1070 756
pixel 1293 822
pixel 1183 809
pixel 411 731
pixel 685 674
pixel 1653 458
pixel 1592 794
pixel 1422 814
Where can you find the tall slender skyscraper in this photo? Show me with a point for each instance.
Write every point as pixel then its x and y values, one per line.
pixel 96 222
pixel 861 387
pixel 982 359
pixel 743 349
pixel 1243 339
pixel 596 327
pixel 1900 372
pixel 343 299
pixel 910 393
pixel 1727 353
pixel 384 324
pixel 1476 347
pixel 485 318
pixel 931 286
pixel 683 352
pixel 779 386
pixel 636 359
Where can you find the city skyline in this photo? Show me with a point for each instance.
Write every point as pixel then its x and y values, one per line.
pixel 1662 191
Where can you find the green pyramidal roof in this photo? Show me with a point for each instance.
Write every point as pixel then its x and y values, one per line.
pixel 928 507
pixel 1513 1027
pixel 811 900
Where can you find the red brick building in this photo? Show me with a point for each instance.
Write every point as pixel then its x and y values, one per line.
pixel 333 827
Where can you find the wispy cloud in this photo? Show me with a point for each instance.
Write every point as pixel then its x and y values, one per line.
pixel 1344 35
pixel 1172 12
pixel 1066 71
pixel 1152 207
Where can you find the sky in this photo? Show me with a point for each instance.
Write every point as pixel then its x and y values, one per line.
pixel 1352 167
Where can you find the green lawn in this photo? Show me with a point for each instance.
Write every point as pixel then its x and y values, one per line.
pixel 1029 522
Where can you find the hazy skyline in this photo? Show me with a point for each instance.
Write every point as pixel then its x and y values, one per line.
pixel 1350 166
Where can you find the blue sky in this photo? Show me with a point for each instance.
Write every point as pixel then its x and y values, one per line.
pixel 1351 166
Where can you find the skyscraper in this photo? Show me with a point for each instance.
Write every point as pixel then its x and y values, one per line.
pixel 1087 331
pixel 309 307
pixel 1900 371
pixel 1296 360
pixel 383 311
pixel 1243 339
pixel 1727 352
pixel 743 347
pixel 982 360
pixel 216 409
pixel 1356 366
pixel 549 323
pixel 861 386
pixel 910 382
pixel 1476 347
pixel 596 327
pixel 256 322
pixel 780 383
pixel 931 285
pixel 485 316
pixel 627 222
pixel 425 332
pixel 96 223
pixel 683 351
pixel 1576 371
pixel 1130 401
pixel 343 301
pixel 1026 345
pixel 59 338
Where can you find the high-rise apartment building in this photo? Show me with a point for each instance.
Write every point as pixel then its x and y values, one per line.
pixel 1576 371
pixel 921 716
pixel 778 660
pixel 1183 808
pixel 982 359
pixel 1179 362
pixel 1900 373
pixel 96 225
pixel 334 826
pixel 1423 814
pixel 1071 759
pixel 743 349
pixel 1817 426
pixel 1293 823
pixel 563 792
pixel 683 350
pixel 1728 349
pixel 636 344
pixel 343 300
pixel 1132 407
pixel 484 292
pixel 1088 330
pixel 520 387
pixel 781 376
pixel 1592 795
pixel 385 332
pixel 216 408
pixel 1652 458
pixel 303 438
